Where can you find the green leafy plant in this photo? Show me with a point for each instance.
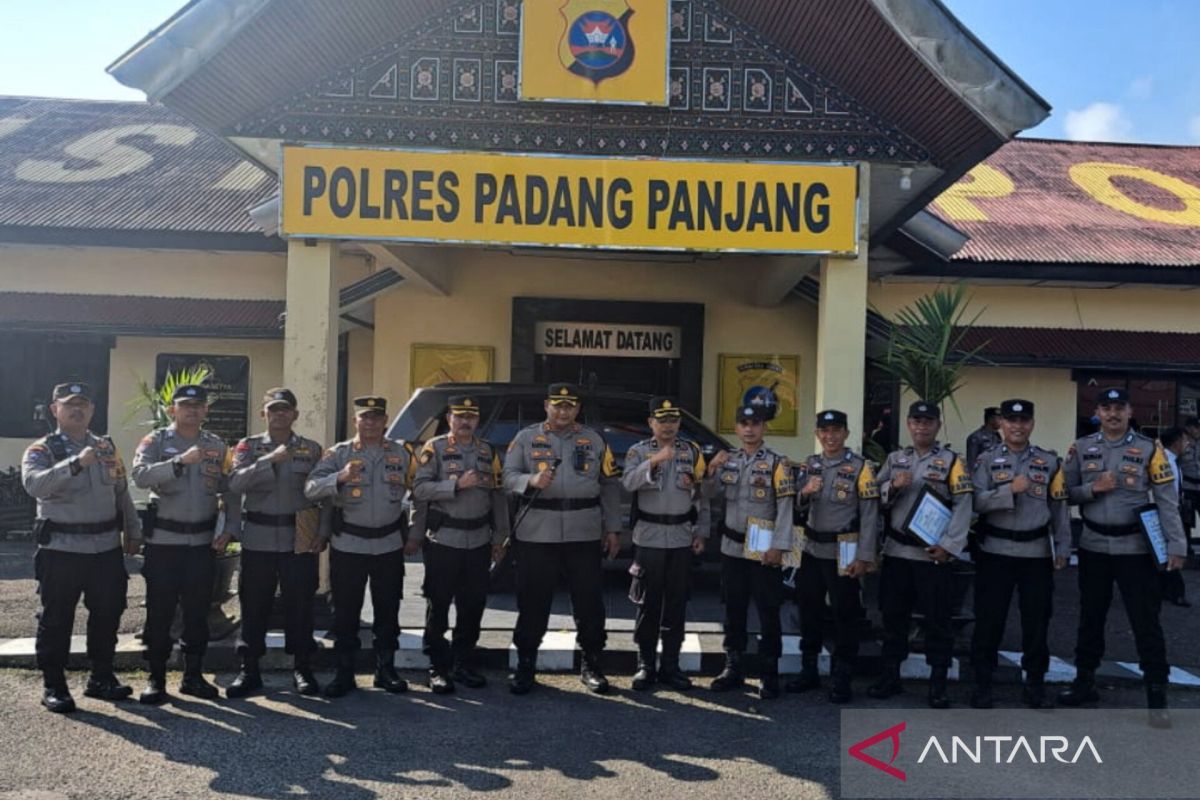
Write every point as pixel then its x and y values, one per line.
pixel 150 404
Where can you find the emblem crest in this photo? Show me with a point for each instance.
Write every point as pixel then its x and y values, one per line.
pixel 596 43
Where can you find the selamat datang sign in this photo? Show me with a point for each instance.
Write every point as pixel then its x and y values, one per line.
pixel 566 201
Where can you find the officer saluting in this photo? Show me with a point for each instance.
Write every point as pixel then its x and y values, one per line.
pixel 1024 532
pixel 756 482
pixel 985 437
pixel 83 505
pixel 367 479
pixel 269 472
pixel 838 497
pixel 1109 475
pixel 913 572
pixel 458 478
pixel 186 470
pixel 569 479
pixel 670 523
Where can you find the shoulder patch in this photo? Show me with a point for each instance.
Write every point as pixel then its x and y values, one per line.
pixel 959 481
pixel 868 487
pixel 1159 467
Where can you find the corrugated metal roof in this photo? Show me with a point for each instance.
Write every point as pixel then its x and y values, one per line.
pixel 1084 348
pixel 76 164
pixel 1042 201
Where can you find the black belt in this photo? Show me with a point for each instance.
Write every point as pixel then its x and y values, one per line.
pixel 275 520
pixel 1113 530
pixel 904 537
pixel 1016 536
pixel 370 533
pixel 565 504
pixel 175 526
pixel 474 523
pixel 667 519
pixel 732 535
pixel 828 537
pixel 89 528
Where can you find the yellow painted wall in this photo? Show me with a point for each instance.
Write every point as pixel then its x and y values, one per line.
pixel 360 378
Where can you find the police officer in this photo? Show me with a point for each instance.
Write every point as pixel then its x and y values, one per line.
pixel 186 470
pixel 1109 475
pixel 367 479
pixel 466 521
pixel 670 523
pixel 1189 465
pixel 1024 534
pixel 914 572
pixel 566 474
pixel 757 483
pixel 839 500
pixel 83 506
pixel 269 472
pixel 985 437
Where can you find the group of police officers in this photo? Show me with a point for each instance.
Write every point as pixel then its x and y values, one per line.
pixel 810 530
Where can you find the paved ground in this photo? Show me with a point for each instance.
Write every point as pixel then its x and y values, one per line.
pixel 557 742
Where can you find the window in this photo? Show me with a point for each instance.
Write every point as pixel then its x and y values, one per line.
pixel 32 363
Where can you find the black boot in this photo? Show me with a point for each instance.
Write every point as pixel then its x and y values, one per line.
pixel 56 697
pixel 155 692
pixel 465 674
pixel 1034 693
pixel 302 676
pixel 386 677
pixel 343 679
pixel 523 678
pixel 646 675
pixel 591 674
pixel 193 682
pixel 938 696
pixel 841 692
pixel 103 684
pixel 669 673
pixel 888 684
pixel 1082 690
pixel 248 680
pixel 731 676
pixel 1156 702
pixel 807 678
pixel 981 694
pixel 768 688
pixel 440 681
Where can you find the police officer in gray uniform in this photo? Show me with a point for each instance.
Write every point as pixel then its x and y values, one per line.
pixel 566 474
pixel 670 523
pixel 1110 475
pixel 984 437
pixel 83 505
pixel 914 573
pixel 186 470
pixel 1189 466
pixel 269 472
pixel 756 482
pixel 1024 534
pixel 458 482
pixel 837 497
pixel 367 479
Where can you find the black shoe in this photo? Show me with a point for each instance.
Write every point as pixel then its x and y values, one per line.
pixel 105 686
pixel 524 677
pixel 938 697
pixel 1034 694
pixel 768 682
pixel 343 680
pixel 248 681
pixel 591 674
pixel 807 679
pixel 646 675
pixel 888 685
pixel 440 682
pixel 193 682
pixel 467 677
pixel 670 675
pixel 58 700
pixel 731 676
pixel 303 679
pixel 386 677
pixel 1082 690
pixel 155 693
pixel 981 696
pixel 841 693
pixel 1182 602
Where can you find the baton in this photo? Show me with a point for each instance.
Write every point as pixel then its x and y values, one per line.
pixel 520 518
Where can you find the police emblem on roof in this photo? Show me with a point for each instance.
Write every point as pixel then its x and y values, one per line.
pixel 597 44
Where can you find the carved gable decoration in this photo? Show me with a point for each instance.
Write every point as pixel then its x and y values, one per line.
pixel 450 81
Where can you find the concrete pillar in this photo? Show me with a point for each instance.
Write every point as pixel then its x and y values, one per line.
pixel 842 326
pixel 310 341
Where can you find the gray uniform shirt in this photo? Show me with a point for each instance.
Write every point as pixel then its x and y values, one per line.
pixel 1143 475
pixel 373 499
pixel 758 484
pixel 1189 465
pixel 670 489
pixel 191 493
pixel 435 485
pixel 587 470
pixel 945 473
pixel 1043 504
pixel 847 503
pixel 981 440
pixel 96 493
pixel 275 489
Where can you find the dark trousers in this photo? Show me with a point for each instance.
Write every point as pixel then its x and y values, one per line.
pixel 905 585
pixel 819 577
pixel 996 576
pixel 295 574
pixel 62 577
pixel 1136 576
pixel 663 610
pixel 461 577
pixel 741 581
pixel 177 575
pixel 348 575
pixel 538 568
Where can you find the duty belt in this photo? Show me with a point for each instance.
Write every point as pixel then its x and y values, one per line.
pixel 565 504
pixel 829 537
pixel 903 537
pixel 370 533
pixel 1112 530
pixel 732 535
pixel 274 520
pixel 175 526
pixel 1016 536
pixel 667 519
pixel 87 528
pixel 474 523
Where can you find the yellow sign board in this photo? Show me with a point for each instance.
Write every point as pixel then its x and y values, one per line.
pixel 595 51
pixel 555 201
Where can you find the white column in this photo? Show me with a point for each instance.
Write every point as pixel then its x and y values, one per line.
pixel 310 341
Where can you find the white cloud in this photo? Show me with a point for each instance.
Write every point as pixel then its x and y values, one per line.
pixel 1142 88
pixel 1098 122
pixel 1194 128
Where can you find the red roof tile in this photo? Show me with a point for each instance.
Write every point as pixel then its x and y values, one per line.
pixel 1085 348
pixel 161 316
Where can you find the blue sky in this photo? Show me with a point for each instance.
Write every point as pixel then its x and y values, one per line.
pixel 1113 70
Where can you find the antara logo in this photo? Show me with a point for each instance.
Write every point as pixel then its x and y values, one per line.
pixel 893 734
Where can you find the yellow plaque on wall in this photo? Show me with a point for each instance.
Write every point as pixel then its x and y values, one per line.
pixel 432 364
pixel 770 381
pixel 595 51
